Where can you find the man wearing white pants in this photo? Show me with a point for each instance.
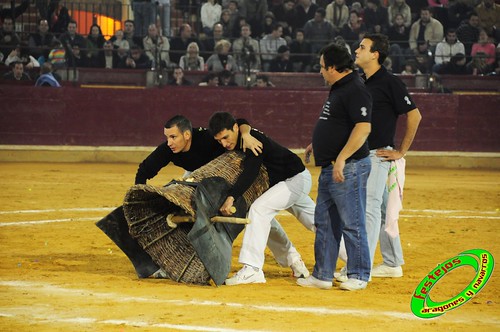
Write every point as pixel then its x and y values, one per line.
pixel 289 186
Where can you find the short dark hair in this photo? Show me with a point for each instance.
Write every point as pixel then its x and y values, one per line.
pixel 181 122
pixel 220 121
pixel 380 44
pixel 337 56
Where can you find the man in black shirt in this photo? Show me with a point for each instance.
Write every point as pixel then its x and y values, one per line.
pixel 340 148
pixel 289 186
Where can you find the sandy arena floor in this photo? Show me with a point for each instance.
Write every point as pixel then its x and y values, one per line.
pixel 59 272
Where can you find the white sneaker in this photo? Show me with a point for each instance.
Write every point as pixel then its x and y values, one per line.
pixel 353 284
pixel 312 282
pixel 342 275
pixel 247 275
pixel 160 274
pixel 385 271
pixel 299 269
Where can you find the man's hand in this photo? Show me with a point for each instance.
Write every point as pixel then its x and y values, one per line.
pixel 389 155
pixel 307 153
pixel 227 208
pixel 250 142
pixel 338 171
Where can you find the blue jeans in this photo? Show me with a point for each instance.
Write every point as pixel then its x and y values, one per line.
pixel 340 211
pixel 144 15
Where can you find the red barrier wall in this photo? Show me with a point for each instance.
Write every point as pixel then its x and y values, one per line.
pixel 135 117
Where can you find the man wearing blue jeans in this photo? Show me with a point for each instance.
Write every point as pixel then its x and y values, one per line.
pixel 339 138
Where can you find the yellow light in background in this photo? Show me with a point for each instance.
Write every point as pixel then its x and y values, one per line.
pixel 84 20
pixel 108 25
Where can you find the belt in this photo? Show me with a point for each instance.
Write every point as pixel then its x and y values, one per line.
pixel 348 160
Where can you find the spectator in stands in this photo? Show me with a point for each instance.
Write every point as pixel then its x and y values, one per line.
pixel 76 58
pixel 426 29
pixel 254 11
pixel 179 44
pixel 13 12
pixel 489 17
pixel 210 42
pixel 210 14
pixel 423 57
pixel 411 68
pixel 212 79
pixel 318 32
pixel 144 16
pixel 416 6
pixel 246 50
pixel 164 13
pixel 269 22
pixel 446 49
pixel 350 31
pixel 57 55
pixel 456 66
pixel 17 73
pixel 399 49
pixel 120 44
pixel 227 24
pixel 95 42
pixel 192 59
pixel 108 57
pixel 478 65
pixel 376 17
pixel 129 34
pixel 399 7
pixel 234 13
pixel 137 59
pixel 58 18
pixel 300 53
pixel 458 12
pixel 9 39
pixel 21 54
pixel 157 47
pixel 262 81
pixel 47 77
pixel 71 38
pixel 337 13
pixel 485 47
pixel 178 78
pixel 281 63
pixel 269 46
pixel 306 9
pixel 40 42
pixel 286 15
pixel 226 78
pixel 468 32
pixel 221 59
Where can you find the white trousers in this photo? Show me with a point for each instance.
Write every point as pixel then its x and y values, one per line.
pixel 292 195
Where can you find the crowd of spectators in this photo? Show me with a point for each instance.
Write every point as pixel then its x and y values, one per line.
pixel 251 36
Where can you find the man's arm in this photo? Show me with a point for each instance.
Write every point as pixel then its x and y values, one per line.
pixel 250 142
pixel 150 166
pixel 358 136
pixel 413 118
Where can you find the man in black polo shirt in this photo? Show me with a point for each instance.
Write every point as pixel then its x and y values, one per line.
pixel 390 99
pixel 340 148
pixel 289 186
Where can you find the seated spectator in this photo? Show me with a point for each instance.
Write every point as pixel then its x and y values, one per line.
pixel 254 11
pixel 306 9
pixel 192 59
pixel 221 59
pixel 282 61
pixel 20 54
pixel 484 46
pixel 40 42
pixel 286 16
pixel 179 44
pixel 156 47
pixel 399 7
pixel 376 17
pixel 269 22
pixel 210 14
pixel 57 55
pixel 107 57
pixel 262 81
pixel 318 32
pixel 234 13
pixel 424 57
pixel 426 29
pixel 489 17
pixel 468 32
pixel 456 66
pixel 446 49
pixel 17 73
pixel 350 31
pixel 246 50
pixel 269 46
pixel 76 59
pixel 478 65
pixel 399 49
pixel 410 68
pixel 212 79
pixel 120 44
pixel 458 12
pixel 58 17
pixel 129 35
pixel 337 13
pixel 9 39
pixel 95 41
pixel 71 38
pixel 178 78
pixel 137 59
pixel 227 24
pixel 208 44
pixel 300 53
pixel 226 78
pixel 47 77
